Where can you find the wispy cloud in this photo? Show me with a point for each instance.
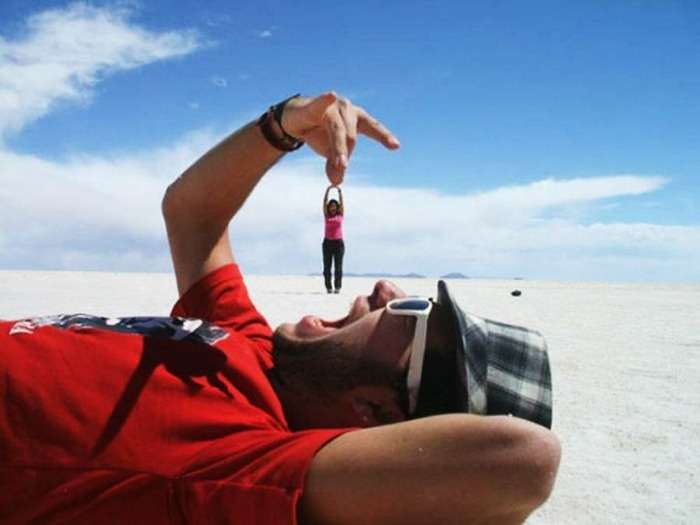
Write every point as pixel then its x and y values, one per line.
pixel 217 19
pixel 63 53
pixel 219 81
pixel 267 33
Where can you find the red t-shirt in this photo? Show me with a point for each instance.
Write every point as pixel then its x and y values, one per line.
pixel 149 420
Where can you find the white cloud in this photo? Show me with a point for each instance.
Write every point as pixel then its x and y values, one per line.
pixel 65 52
pixel 508 231
pixel 104 213
pixel 265 34
pixel 219 81
pixel 89 212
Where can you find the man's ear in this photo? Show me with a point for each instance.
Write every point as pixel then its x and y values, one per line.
pixel 364 411
pixel 376 406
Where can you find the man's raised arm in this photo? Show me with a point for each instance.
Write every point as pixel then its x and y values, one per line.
pixel 199 205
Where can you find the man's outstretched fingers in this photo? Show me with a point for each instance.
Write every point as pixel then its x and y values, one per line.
pixel 349 116
pixel 337 160
pixel 335 177
pixel 368 125
pixel 329 126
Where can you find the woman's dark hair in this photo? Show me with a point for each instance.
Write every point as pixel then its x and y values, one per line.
pixel 333 201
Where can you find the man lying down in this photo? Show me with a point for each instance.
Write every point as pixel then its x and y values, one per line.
pixel 406 411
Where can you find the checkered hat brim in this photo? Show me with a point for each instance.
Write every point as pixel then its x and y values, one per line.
pixel 502 369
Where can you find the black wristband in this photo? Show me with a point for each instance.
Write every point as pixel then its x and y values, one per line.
pixel 284 142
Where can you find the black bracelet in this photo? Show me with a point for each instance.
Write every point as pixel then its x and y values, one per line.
pixel 285 142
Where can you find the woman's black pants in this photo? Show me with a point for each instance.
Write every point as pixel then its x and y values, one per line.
pixel 333 251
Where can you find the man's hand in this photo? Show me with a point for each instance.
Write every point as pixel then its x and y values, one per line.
pixel 330 125
pixel 199 205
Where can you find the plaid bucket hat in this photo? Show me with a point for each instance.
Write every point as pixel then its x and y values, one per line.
pixel 499 369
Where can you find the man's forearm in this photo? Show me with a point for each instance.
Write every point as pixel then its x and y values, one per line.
pixel 210 192
pixel 198 206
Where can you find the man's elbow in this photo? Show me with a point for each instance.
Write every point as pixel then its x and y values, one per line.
pixel 543 451
pixel 535 455
pixel 170 205
pixel 518 461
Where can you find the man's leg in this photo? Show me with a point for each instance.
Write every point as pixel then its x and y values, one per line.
pixel 450 469
pixel 327 257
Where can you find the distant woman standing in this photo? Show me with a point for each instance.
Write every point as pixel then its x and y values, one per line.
pixel 333 245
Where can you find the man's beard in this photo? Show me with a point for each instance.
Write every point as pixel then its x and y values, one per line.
pixel 326 367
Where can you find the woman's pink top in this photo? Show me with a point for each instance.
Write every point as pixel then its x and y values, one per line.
pixel 334 227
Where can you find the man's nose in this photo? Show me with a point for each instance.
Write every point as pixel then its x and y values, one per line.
pixel 384 291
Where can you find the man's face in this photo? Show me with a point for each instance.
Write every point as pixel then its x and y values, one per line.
pixel 312 327
pixel 366 349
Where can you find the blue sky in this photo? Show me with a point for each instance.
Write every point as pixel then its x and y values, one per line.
pixel 550 140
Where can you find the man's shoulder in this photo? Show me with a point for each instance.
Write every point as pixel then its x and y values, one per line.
pixel 221 298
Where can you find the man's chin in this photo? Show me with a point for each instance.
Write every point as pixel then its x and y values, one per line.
pixel 285 340
pixel 282 337
pixel 284 330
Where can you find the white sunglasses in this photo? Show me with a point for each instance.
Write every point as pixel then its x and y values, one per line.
pixel 419 308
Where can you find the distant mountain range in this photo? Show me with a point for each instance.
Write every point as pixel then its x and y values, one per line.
pixel 412 275
pixel 454 275
pixel 379 275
